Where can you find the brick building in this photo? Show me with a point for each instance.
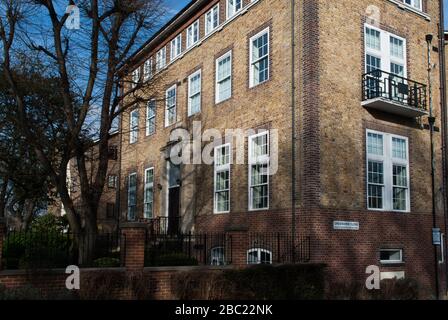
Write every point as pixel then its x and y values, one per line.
pixel 108 218
pixel 341 87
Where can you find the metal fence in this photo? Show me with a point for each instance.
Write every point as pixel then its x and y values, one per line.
pixel 37 250
pixel 220 249
pixel 268 248
pixel 188 249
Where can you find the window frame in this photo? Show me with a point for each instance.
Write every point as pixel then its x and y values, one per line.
pixel 192 95
pixel 413 6
pixel 114 179
pixel 148 69
pixel 235 10
pixel 259 251
pixel 218 82
pixel 208 29
pixel 264 160
pixel 167 123
pixel 161 59
pixel 388 164
pixel 146 187
pixel 389 262
pixel 384 53
pixel 223 256
pixel 218 169
pixel 190 37
pixel 252 63
pixel 176 44
pixel 133 174
pixel 133 128
pixel 148 118
pixel 135 78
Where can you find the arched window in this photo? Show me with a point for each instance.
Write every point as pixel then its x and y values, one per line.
pixel 217 256
pixel 259 256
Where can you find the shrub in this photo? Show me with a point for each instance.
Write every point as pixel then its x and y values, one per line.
pixel 23 293
pixel 106 262
pixel 171 260
pixel 403 289
pixel 288 282
pixel 36 250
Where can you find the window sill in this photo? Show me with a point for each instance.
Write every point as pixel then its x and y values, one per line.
pixel 406 7
pixel 392 264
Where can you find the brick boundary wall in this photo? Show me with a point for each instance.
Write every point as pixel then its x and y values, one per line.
pixel 51 283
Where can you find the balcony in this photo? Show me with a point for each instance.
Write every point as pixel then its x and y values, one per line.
pixel 390 93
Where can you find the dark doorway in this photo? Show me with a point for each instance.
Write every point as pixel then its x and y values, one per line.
pixel 173 210
pixel 174 180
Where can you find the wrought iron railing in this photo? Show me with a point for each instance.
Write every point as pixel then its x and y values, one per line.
pixel 164 225
pixel 278 248
pixel 188 249
pixel 382 84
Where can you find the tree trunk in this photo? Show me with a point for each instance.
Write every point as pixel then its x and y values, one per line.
pixel 27 214
pixel 87 239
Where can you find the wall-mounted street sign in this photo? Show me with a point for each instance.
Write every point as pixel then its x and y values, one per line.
pixel 346 225
pixel 436 237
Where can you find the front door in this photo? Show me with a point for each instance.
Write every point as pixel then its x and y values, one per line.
pixel 173 210
pixel 174 182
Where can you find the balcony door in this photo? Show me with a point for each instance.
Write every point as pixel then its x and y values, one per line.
pixel 385 64
pixel 174 184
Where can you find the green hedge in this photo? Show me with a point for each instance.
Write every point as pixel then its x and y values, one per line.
pixel 32 250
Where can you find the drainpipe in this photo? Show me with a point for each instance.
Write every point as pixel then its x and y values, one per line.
pixel 118 195
pixel 432 121
pixel 293 129
pixel 444 115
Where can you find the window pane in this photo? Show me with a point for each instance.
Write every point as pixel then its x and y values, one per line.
pixel 396 48
pixel 265 257
pixel 399 149
pixel 375 197
pixel 224 79
pixel 260 146
pixel 260 197
pixel 218 257
pixel 222 180
pixel 400 176
pixel 376 172
pixel 222 201
pixel 373 39
pixel 397 70
pixel 252 257
pixel 260 59
pixel 375 144
pixel 223 156
pixel 372 63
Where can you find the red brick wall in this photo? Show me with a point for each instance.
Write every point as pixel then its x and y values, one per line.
pixel 52 284
pixel 347 253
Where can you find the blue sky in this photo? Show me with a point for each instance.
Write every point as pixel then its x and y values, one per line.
pixel 176 5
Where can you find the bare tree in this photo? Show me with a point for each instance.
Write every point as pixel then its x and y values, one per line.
pixel 86 63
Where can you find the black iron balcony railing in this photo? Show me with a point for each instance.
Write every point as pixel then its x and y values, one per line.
pixel 385 85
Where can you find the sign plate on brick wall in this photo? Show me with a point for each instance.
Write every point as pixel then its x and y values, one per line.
pixel 346 225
